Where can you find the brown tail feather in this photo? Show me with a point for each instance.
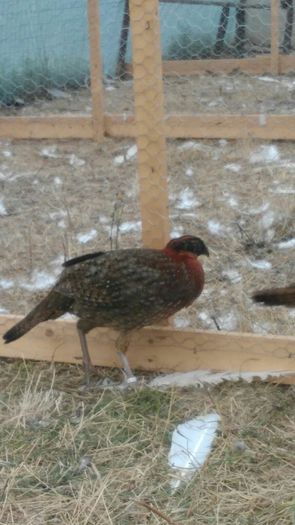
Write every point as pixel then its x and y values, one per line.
pixel 51 307
pixel 276 296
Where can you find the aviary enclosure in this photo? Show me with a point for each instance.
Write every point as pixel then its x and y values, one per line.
pixel 149 120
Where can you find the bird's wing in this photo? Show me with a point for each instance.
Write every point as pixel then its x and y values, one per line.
pixel 114 278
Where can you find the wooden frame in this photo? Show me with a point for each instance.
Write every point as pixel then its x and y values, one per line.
pixel 157 348
pixel 98 124
pixel 162 349
pixel 180 126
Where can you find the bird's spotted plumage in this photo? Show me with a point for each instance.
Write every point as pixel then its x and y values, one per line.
pixel 123 289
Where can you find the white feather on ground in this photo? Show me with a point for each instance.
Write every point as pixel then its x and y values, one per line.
pixel 201 378
pixel 191 444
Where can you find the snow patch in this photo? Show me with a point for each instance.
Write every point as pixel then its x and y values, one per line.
pixel 188 144
pixel 233 202
pixel 6 284
pixel 259 209
pixel 260 264
pixel 103 219
pixel 130 226
pixel 119 159
pixel 267 219
pixel 214 227
pixel 186 200
pixel 131 152
pixel 235 168
pixel 227 321
pixel 57 181
pixel 283 191
pixel 284 245
pixel 83 238
pixel 232 275
pixel 189 172
pixel 265 154
pixel 3 210
pixel 6 153
pixel 75 161
pixel 39 281
pixel 57 214
pixel 222 142
pixel 49 152
pixel 181 321
pixel 268 79
pixel 176 232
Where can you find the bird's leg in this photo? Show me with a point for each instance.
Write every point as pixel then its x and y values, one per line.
pixel 83 327
pixel 122 345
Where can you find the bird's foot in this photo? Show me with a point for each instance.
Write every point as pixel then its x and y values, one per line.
pixel 130 381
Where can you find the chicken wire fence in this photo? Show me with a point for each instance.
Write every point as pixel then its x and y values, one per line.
pixel 45 55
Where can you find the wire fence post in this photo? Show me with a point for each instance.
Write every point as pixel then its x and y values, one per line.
pixel 275 37
pixel 150 125
pixel 95 70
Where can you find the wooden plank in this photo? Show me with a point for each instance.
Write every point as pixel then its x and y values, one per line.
pixel 156 348
pixel 216 126
pixel 212 126
pixel 95 70
pixel 254 66
pixel 275 37
pixel 149 115
pixel 117 125
pixel 267 127
pixel 51 127
pixel 287 63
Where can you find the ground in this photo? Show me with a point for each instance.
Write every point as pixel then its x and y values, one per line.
pixel 71 456
pixel 68 456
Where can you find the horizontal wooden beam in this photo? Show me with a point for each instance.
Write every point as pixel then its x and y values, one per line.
pixel 212 126
pixel 252 65
pixel 157 348
pixel 47 127
pixel 181 126
pixel 215 126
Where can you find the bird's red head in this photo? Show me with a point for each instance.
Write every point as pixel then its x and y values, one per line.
pixel 188 243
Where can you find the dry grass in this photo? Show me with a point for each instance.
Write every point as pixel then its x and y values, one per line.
pixel 73 457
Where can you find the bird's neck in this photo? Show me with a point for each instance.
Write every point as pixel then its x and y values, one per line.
pixel 193 265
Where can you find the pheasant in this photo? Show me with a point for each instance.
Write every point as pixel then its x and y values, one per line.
pixel 122 289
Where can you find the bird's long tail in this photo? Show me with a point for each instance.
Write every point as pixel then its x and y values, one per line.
pixel 276 296
pixel 50 307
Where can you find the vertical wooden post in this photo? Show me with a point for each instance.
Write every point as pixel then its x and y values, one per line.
pixel 149 114
pixel 275 37
pixel 95 71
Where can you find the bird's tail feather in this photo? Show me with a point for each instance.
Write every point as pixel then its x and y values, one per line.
pixel 49 308
pixel 276 296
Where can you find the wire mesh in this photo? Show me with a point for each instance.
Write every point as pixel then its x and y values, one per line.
pixel 44 56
